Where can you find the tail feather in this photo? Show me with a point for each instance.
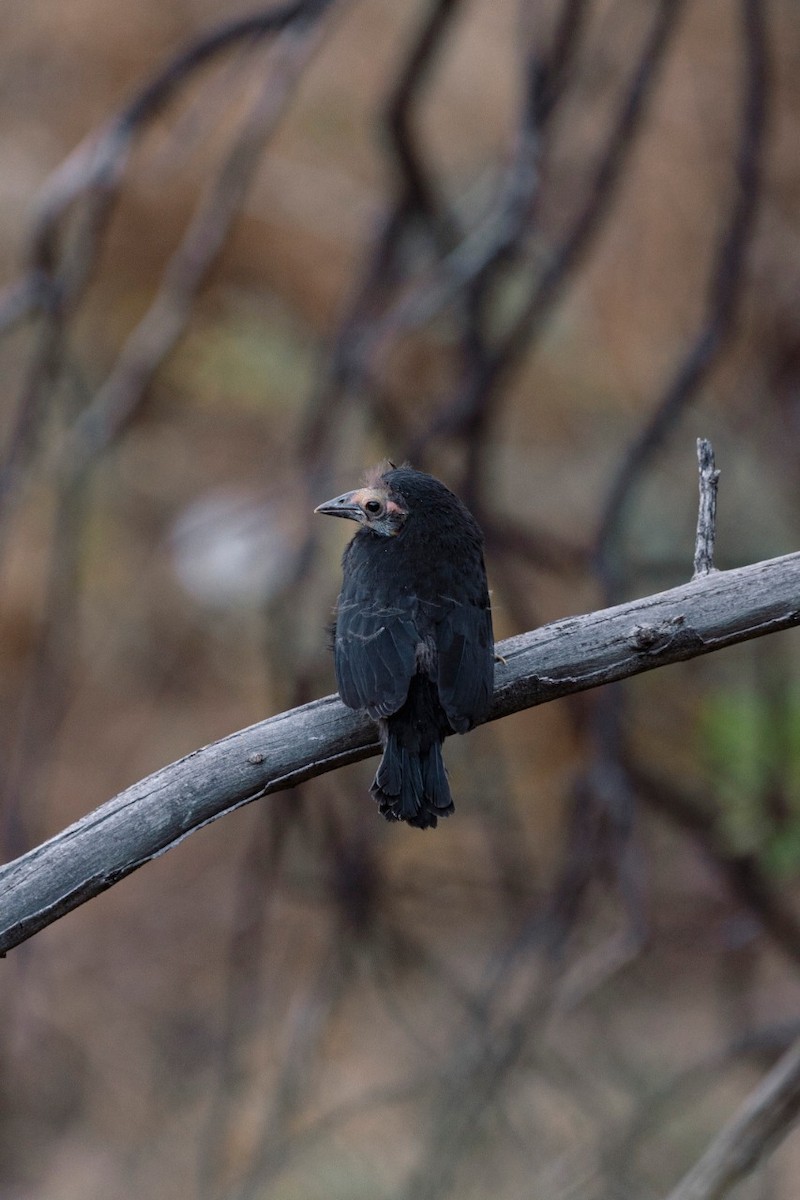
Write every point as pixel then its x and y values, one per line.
pixel 411 785
pixel 434 781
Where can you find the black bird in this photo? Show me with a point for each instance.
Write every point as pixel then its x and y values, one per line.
pixel 413 634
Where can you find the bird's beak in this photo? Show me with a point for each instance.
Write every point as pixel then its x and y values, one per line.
pixel 342 506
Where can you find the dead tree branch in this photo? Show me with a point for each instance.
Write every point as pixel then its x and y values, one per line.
pixel 764 1119
pixel 707 511
pixel 141 823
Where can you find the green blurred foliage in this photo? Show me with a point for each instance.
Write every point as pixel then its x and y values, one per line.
pixel 752 749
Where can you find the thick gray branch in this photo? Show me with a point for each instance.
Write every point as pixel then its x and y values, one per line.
pixel 764 1119
pixel 709 613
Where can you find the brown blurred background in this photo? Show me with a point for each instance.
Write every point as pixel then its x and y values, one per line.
pixel 540 249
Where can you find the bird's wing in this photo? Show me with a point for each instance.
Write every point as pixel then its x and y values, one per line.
pixel 465 649
pixel 375 654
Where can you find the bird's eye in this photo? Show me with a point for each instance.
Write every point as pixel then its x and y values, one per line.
pixel 373 507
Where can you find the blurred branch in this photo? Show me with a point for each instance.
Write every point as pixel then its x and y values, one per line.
pixel 394 299
pixel 722 304
pixel 764 1119
pixel 472 406
pixel 686 1091
pixel 568 656
pixel 717 325
pixel 417 193
pixel 746 878
pixel 416 205
pixel 599 840
pixel 603 190
pixel 537 546
pixel 63 255
pixel 160 328
pixel 256 878
pixel 95 166
pixel 72 214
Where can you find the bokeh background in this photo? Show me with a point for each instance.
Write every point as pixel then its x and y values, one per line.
pixel 539 249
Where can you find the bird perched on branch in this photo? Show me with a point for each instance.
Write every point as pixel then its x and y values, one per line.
pixel 413 638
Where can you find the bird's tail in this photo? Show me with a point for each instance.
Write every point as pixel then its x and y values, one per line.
pixel 411 785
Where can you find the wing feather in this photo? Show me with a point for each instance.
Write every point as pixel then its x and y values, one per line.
pixel 375 655
pixel 465 649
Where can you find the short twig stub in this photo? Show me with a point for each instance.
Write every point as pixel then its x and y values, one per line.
pixel 707 512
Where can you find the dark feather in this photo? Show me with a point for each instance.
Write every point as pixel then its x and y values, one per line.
pixel 374 655
pixel 465 664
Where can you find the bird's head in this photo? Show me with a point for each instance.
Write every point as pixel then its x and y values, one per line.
pixel 376 506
